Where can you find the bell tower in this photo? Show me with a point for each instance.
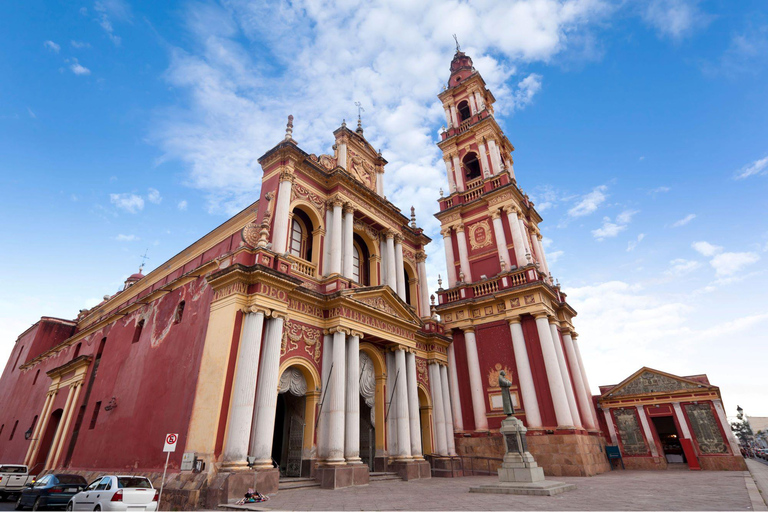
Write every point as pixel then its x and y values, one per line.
pixel 501 305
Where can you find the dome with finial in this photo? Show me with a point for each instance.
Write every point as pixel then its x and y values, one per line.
pixel 133 279
pixel 461 68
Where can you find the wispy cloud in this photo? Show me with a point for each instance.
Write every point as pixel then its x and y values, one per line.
pixel 756 168
pixel 633 243
pixel 127 238
pixel 31 114
pixel 679 267
pixel 685 220
pixel 726 264
pixel 52 46
pixel 79 44
pixel 79 69
pixel 106 11
pixel 611 229
pixel 131 203
pixel 706 248
pixel 659 190
pixel 154 196
pixel 589 203
pixel 182 205
pixel 675 19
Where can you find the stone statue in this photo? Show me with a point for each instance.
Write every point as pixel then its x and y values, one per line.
pixel 506 398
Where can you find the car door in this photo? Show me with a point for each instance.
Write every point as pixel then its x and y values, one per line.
pixel 82 501
pixel 102 491
pixel 29 494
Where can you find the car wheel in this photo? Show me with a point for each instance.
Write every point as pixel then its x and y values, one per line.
pixel 70 507
pixel 37 505
pixel 97 508
pixel 19 506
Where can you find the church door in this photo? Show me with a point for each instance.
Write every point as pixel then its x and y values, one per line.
pixel 295 444
pixel 367 434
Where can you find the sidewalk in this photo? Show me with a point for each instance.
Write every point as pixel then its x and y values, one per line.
pixel 615 490
pixel 758 491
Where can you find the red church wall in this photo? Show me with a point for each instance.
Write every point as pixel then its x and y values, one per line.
pixel 494 346
pixel 536 359
pixel 462 376
pixel 49 334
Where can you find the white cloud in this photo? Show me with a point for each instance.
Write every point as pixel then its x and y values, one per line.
pixel 153 196
pixel 729 263
pixel 706 249
pixel 659 190
pixel 611 229
pixel 31 114
pixel 675 19
pixel 126 238
pixel 589 202
pixel 685 220
pixel 756 168
pixel 554 256
pixel 182 205
pixel 131 203
pixel 106 10
pixel 78 69
pixel 79 44
pixel 633 243
pixel 526 89
pixel 679 267
pixel 52 46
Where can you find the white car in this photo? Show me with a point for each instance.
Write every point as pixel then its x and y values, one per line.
pixel 116 492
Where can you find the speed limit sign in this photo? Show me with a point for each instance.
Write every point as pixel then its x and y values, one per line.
pixel 170 442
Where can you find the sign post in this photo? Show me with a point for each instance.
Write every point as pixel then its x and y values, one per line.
pixel 170 446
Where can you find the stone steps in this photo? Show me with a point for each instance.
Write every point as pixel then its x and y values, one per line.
pixel 296 483
pixel 382 476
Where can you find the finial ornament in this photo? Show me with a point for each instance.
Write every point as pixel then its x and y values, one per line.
pixel 413 217
pixel 360 111
pixel 458 48
pixel 289 128
pixel 461 276
pixel 343 123
pixel 439 281
pixel 528 257
pixel 432 298
pixel 441 191
pixel 503 264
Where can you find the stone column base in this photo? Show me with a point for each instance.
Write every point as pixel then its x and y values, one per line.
pixel 411 469
pixel 447 467
pixel 340 476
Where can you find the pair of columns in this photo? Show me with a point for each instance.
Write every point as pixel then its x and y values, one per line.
pixel 340 218
pixel 57 446
pixel 402 407
pixel 442 409
pixel 254 394
pixel 393 259
pixel 476 104
pixel 465 275
pixel 282 212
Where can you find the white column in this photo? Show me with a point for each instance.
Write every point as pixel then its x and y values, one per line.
pixel 524 375
pixel 584 377
pixel 526 241
pixel 352 428
pixel 458 174
pixel 383 262
pixel 327 240
pixel 450 260
pixel 501 238
pixel 244 390
pixel 463 255
pixel 266 395
pixel 458 419
pixel 449 173
pixel 611 427
pixel 647 430
pixel 554 377
pixel 400 281
pixel 732 441
pixel 566 375
pixel 423 286
pixel 336 400
pixel 686 433
pixel 349 222
pixel 380 181
pixel 483 159
pixel 391 267
pixel 540 254
pixel 280 229
pixel 451 442
pixel 479 100
pixel 441 444
pixel 454 116
pixel 472 106
pixel 517 236
pixel 414 423
pixel 475 381
pixel 335 267
pixel 448 118
pixel 401 414
pixel 390 410
pixel 495 156
pixel 583 398
pixel 322 424
pixel 342 158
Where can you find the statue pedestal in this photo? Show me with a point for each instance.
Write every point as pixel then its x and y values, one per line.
pixel 519 473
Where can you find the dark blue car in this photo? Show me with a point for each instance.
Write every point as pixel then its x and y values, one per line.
pixel 54 490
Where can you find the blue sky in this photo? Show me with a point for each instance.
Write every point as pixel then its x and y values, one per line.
pixel 639 127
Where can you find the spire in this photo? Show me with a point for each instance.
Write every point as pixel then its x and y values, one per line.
pixel 413 217
pixel 360 111
pixel 289 128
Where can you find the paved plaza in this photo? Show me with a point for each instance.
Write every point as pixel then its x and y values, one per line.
pixel 616 490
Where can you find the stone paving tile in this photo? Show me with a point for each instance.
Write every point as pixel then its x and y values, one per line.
pixel 759 470
pixel 617 490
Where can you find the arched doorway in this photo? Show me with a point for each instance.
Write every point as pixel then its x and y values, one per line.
pixel 425 421
pixel 47 440
pixel 367 410
pixel 288 439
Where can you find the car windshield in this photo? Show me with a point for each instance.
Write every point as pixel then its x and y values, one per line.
pixel 13 469
pixel 130 482
pixel 71 479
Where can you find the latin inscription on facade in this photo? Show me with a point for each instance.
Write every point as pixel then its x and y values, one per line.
pixel 705 428
pixel 629 430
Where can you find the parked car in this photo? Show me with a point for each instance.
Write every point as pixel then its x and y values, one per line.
pixel 13 478
pixel 116 492
pixel 54 490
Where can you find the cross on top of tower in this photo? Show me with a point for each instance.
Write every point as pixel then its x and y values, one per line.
pixel 144 258
pixel 458 47
pixel 360 111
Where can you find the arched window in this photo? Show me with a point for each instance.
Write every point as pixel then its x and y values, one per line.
pixel 360 261
pixel 356 263
pixel 464 112
pixel 471 166
pixel 301 235
pixel 407 287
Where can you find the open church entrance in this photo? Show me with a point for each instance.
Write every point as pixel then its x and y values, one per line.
pixel 288 439
pixel 367 410
pixel 666 430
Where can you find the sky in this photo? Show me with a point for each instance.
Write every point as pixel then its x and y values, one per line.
pixel 131 127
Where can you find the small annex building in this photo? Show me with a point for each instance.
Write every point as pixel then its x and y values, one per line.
pixel 659 420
